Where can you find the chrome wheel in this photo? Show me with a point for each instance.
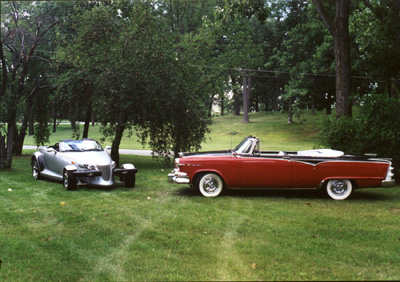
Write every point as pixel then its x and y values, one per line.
pixel 339 189
pixel 65 179
pixel 35 169
pixel 69 180
pixel 210 185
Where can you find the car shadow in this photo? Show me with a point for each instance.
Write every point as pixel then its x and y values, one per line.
pixel 116 186
pixel 358 195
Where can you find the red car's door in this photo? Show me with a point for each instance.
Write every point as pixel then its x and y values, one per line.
pixel 258 172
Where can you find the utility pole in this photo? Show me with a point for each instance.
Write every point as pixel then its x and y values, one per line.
pixel 246 96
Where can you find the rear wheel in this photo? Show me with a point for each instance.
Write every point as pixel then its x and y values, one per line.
pixel 69 180
pixel 339 189
pixel 210 184
pixel 35 169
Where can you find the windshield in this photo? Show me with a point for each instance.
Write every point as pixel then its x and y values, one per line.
pixel 244 146
pixel 80 146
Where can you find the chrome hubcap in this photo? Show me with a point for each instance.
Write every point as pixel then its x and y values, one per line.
pixel 210 185
pixel 35 170
pixel 339 187
pixel 65 179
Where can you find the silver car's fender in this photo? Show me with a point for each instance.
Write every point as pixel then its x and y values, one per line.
pixel 39 158
pixel 128 166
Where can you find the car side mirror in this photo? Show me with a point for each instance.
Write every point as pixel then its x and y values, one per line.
pixel 108 148
pixel 51 150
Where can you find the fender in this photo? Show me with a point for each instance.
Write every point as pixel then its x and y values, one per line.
pixel 197 172
pixel 126 169
pixel 128 166
pixel 38 156
pixel 353 180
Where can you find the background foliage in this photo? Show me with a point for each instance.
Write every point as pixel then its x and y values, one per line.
pixel 368 131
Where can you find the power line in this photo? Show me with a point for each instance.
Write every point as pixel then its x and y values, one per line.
pixel 289 73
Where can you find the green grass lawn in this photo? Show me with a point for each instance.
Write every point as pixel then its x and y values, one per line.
pixel 159 231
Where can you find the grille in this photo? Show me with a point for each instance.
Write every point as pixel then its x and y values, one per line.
pixel 105 172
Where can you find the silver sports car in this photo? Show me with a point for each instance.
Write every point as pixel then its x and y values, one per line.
pixel 80 162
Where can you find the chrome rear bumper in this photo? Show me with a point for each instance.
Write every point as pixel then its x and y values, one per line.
pixel 389 181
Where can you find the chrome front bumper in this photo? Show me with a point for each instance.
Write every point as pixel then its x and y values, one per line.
pixel 178 177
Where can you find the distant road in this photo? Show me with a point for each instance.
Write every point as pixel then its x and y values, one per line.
pixel 121 151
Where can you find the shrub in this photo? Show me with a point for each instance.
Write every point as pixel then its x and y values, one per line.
pixel 374 129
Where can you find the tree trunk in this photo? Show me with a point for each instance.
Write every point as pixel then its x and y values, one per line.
pixel 290 115
pixel 54 124
pixel 73 124
pixel 395 91
pixel 210 108
pixel 3 152
pixel 20 138
pixel 11 131
pixel 31 125
pixel 246 98
pixel 276 104
pixel 342 62
pixel 339 29
pixel 115 144
pixel 87 122
pixel 236 104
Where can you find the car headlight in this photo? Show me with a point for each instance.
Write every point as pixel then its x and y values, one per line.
pixel 113 164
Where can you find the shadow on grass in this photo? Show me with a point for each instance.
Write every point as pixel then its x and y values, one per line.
pixel 86 187
pixel 364 195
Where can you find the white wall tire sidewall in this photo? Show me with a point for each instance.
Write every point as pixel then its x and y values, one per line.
pixel 203 184
pixel 336 196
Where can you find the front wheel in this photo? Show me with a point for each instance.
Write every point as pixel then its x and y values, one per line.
pixel 36 169
pixel 130 180
pixel 210 185
pixel 69 180
pixel 339 189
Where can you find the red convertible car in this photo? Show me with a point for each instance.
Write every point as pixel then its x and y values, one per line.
pixel 248 167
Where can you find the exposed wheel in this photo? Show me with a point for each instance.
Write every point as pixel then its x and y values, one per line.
pixel 130 180
pixel 69 180
pixel 36 169
pixel 210 185
pixel 339 189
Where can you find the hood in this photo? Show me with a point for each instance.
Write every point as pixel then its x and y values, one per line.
pixel 95 158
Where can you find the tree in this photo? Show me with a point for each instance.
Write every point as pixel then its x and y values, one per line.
pixel 379 43
pixel 338 26
pixel 306 54
pixel 136 64
pixel 23 31
pixel 235 48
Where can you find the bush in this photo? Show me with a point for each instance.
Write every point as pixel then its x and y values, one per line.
pixel 374 129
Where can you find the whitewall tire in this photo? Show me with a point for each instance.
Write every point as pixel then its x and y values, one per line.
pixel 210 185
pixel 339 189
